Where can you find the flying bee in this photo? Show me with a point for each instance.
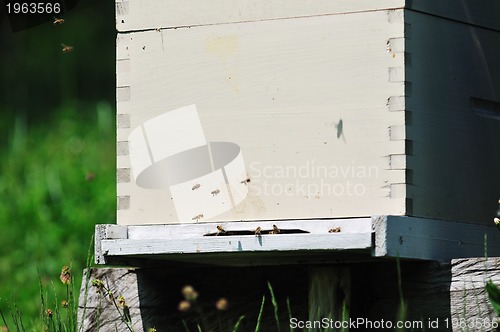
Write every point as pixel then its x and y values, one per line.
pixel 58 21
pixel 198 217
pixel 335 230
pixel 275 230
pixel 258 231
pixel 245 181
pixel 220 230
pixel 196 186
pixel 215 192
pixel 67 48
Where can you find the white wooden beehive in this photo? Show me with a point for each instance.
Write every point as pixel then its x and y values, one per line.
pixel 272 110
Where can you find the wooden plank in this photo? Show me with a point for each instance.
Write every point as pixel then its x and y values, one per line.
pixel 395 236
pixel 235 244
pixel 429 239
pixel 96 310
pixel 106 232
pixel 154 295
pixel 185 242
pixel 136 15
pixel 468 299
pixel 186 231
pixel 483 13
pixel 423 286
pixel 456 156
pixel 438 295
pixel 249 90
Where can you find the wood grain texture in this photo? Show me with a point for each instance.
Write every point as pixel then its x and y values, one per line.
pixel 467 293
pixel 429 239
pixel 431 292
pixel 96 310
pixel 154 295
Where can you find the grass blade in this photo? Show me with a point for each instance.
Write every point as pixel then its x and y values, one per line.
pixel 275 305
pixel 18 318
pixel 185 325
pixel 402 310
pixel 288 307
pixel 237 325
pixel 259 318
pixel 4 320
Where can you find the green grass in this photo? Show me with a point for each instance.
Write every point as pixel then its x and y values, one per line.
pixel 57 180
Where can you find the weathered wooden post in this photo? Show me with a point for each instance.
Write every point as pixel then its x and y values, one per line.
pixel 337 137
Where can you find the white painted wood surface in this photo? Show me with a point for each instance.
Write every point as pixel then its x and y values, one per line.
pixel 430 239
pixel 187 231
pixel 340 108
pixel 306 99
pixel 178 241
pixel 235 244
pixel 137 15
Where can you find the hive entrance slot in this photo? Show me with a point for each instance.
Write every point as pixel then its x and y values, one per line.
pixel 275 231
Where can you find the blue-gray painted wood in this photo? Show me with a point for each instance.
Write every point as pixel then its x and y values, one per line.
pixel 430 239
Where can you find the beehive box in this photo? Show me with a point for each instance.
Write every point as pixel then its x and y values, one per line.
pixel 278 110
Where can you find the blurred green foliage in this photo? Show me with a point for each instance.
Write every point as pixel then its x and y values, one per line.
pixel 37 78
pixel 56 184
pixel 494 296
pixel 57 148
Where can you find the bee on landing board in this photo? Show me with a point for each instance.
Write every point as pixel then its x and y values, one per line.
pixel 220 230
pixel 275 230
pixel 258 231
